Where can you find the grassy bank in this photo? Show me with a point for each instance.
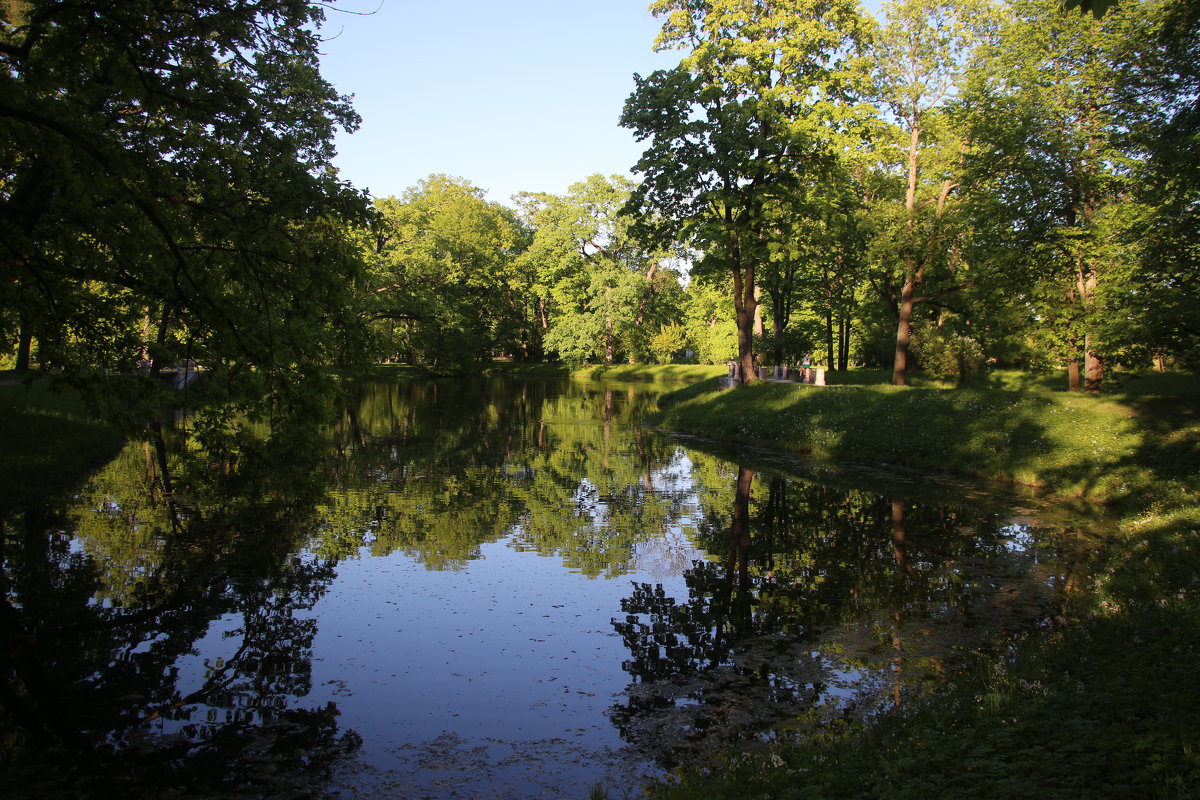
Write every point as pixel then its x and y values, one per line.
pixel 49 439
pixel 1105 705
pixel 1104 449
pixel 664 373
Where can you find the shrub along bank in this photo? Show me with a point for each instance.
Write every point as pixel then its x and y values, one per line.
pixel 1106 705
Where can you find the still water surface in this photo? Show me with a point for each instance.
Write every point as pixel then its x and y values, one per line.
pixel 494 588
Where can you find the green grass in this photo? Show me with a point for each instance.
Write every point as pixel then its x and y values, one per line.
pixel 50 440
pixel 1106 704
pixel 1105 707
pixel 1098 448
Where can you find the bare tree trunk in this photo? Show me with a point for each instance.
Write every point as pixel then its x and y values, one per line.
pixel 1093 366
pixel 843 343
pixel 758 320
pixel 829 338
pixel 903 331
pixel 24 346
pixel 1073 383
pixel 744 306
pixel 610 355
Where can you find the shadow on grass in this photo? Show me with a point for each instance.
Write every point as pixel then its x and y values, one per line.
pixel 1100 449
pixel 1101 705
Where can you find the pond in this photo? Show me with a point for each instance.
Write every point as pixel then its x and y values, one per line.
pixel 487 588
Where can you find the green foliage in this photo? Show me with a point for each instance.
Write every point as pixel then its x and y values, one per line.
pixel 710 323
pixel 166 176
pixel 601 290
pixel 946 354
pixel 754 112
pixel 444 284
pixel 669 340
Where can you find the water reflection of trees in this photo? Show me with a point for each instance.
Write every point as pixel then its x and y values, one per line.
pixel 565 473
pixel 106 599
pixel 821 603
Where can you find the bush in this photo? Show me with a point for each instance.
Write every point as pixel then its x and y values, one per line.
pixel 944 354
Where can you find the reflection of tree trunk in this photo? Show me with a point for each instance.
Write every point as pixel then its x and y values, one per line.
pixel 904 564
pixel 897 660
pixel 734 594
pixel 899 539
pixel 168 488
pixel 36 706
pixel 608 415
pixel 645 459
pixel 739 539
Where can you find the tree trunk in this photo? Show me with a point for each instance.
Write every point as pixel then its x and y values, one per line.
pixel 904 327
pixel 829 338
pixel 24 346
pixel 610 355
pixel 777 330
pixel 758 320
pixel 1073 384
pixel 843 343
pixel 903 331
pixel 744 306
pixel 1093 366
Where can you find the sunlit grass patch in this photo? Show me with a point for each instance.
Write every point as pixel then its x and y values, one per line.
pixel 1100 448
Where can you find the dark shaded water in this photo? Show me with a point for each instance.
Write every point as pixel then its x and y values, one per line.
pixel 484 589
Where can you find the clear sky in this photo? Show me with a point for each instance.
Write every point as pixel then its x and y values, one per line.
pixel 514 96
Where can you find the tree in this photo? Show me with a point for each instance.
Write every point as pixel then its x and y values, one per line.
pixel 601 288
pixel 1047 110
pixel 1161 80
pixel 920 54
pixel 444 264
pixel 756 102
pixel 169 162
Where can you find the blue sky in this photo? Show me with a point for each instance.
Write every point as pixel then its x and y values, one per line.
pixel 513 96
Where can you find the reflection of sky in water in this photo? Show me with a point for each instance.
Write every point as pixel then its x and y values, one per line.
pixel 1018 537
pixel 511 654
pixel 488 670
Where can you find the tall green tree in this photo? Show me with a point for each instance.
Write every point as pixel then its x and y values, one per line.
pixel 171 160
pixel 1053 156
pixel 444 285
pixel 603 291
pixel 920 54
pixel 1161 76
pixel 756 102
